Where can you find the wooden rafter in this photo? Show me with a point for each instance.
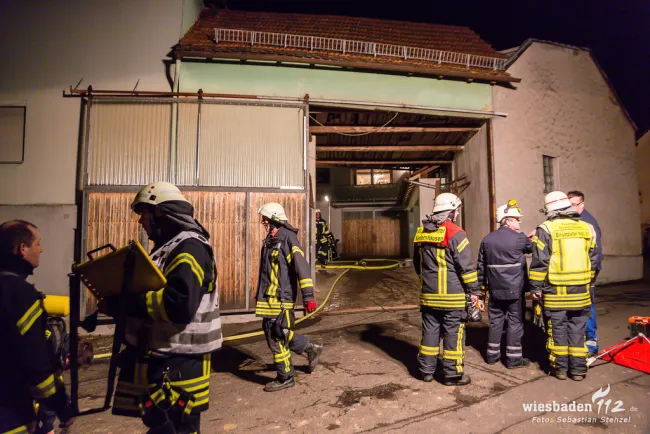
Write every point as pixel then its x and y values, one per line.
pixel 317 129
pixel 329 163
pixel 389 148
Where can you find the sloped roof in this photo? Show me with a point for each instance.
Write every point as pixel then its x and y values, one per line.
pixel 199 41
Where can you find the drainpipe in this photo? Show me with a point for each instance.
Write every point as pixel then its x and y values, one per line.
pixel 173 133
pixel 491 184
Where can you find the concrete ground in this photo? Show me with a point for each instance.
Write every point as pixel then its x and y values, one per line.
pixel 368 379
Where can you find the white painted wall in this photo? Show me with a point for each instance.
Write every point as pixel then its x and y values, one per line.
pixel 564 108
pixel 472 162
pixel 643 174
pixel 47 47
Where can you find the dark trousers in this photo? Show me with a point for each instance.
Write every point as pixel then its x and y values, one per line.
pixel 281 347
pixel 141 377
pixel 498 311
pixel 451 324
pixel 566 340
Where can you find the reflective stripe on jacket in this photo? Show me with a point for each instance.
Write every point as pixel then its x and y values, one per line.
pixel 283 270
pixel 501 263
pixel 564 263
pixel 442 257
pixel 183 317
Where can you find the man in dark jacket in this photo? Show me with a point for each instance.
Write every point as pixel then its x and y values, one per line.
pixel 30 374
pixel 502 270
pixel 171 332
pixel 443 259
pixel 283 270
pixel 577 199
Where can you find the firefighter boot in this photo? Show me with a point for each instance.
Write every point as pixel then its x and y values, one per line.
pixel 457 381
pixel 279 384
pixel 427 378
pixel 560 375
pixel 314 352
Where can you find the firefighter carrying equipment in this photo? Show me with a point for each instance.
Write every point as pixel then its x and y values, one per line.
pixel 273 211
pixel 509 210
pixel 31 372
pixel 171 327
pixel 564 263
pixel 446 202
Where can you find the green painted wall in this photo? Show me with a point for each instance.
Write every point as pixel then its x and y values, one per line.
pixel 335 84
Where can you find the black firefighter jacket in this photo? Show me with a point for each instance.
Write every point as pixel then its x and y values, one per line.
pixel 501 263
pixel 283 270
pixel 442 258
pixel 29 368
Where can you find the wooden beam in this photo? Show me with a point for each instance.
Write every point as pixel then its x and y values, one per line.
pixel 390 148
pixel 423 171
pixel 317 129
pixel 327 163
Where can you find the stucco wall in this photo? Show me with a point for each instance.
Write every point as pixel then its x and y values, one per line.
pixel 472 162
pixel 47 47
pixel 564 108
pixel 643 174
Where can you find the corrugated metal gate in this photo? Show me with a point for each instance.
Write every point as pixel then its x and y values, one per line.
pixel 229 157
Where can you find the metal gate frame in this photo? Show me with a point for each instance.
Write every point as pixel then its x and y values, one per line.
pixel 84 188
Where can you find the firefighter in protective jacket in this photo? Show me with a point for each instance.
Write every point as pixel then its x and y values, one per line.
pixel 170 333
pixel 502 269
pixel 31 375
pixel 322 241
pixel 443 260
pixel 283 269
pixel 564 264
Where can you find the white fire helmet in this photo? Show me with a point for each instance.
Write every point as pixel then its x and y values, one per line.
pixel 157 193
pixel 317 210
pixel 509 210
pixel 556 200
pixel 273 211
pixel 446 202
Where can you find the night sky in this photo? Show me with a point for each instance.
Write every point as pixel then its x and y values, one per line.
pixel 617 31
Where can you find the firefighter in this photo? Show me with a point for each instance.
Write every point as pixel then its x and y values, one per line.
pixel 322 242
pixel 170 333
pixel 443 260
pixel 283 270
pixel 502 270
pixel 31 375
pixel 564 264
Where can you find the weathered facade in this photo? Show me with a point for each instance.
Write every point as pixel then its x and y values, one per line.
pixel 275 89
pixel 565 112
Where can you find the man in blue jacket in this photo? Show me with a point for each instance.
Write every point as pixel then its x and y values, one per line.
pixel 577 199
pixel 502 269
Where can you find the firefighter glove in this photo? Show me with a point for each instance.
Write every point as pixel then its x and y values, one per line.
pixel 310 306
pixel 536 293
